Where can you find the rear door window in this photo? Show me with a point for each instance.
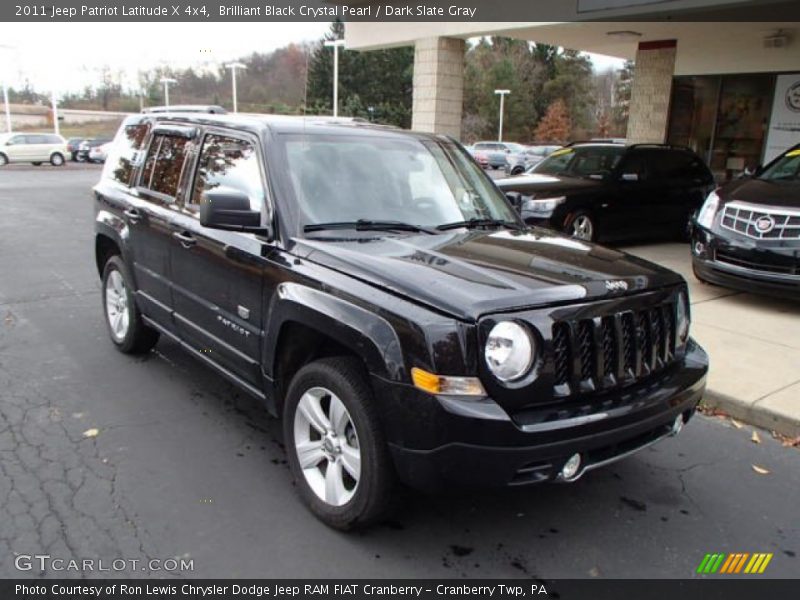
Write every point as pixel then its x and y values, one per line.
pixel 164 164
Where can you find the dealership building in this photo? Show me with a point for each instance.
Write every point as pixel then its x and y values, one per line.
pixel 719 79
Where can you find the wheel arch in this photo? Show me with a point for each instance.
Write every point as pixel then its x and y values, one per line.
pixel 307 324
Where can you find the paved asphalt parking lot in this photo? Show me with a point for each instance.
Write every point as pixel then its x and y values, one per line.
pixel 184 465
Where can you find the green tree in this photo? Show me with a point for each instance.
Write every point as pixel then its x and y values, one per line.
pixel 622 96
pixel 379 80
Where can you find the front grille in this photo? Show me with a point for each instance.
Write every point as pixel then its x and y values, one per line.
pixel 614 350
pixel 761 224
pixel 756 263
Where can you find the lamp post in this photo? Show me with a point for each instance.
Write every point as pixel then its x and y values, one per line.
pixel 55 112
pixel 335 44
pixel 233 66
pixel 502 94
pixel 166 81
pixel 7 47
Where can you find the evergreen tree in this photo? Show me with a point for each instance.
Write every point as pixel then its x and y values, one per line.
pixel 379 80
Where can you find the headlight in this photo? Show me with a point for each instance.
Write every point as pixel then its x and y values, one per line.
pixel 509 351
pixel 710 206
pixel 682 319
pixel 542 205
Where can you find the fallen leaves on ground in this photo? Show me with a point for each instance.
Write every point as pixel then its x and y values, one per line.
pixel 91 433
pixel 754 438
pixel 736 423
pixel 760 470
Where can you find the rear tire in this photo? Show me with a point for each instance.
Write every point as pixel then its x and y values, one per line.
pixel 37 164
pixel 57 160
pixel 123 319
pixel 3 160
pixel 330 419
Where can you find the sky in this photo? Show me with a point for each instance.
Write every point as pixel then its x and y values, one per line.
pixel 68 57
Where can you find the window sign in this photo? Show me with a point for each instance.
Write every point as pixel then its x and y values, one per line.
pixel 784 126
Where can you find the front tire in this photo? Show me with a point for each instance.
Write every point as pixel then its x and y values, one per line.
pixel 37 164
pixel 57 159
pixel 335 444
pixel 3 160
pixel 582 227
pixel 125 326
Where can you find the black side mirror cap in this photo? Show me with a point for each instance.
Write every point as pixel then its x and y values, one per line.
pixel 229 209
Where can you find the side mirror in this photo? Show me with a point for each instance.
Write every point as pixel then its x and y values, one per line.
pixel 226 208
pixel 629 177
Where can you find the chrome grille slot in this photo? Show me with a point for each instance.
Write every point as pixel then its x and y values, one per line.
pixel 613 350
pixel 778 223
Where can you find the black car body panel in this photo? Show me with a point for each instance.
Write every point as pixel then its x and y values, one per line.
pixel 734 252
pixel 637 197
pixel 238 300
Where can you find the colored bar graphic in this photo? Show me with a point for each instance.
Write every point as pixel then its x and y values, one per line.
pixel 730 564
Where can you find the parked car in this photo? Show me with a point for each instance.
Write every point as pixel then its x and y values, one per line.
pixel 87 145
pixel 747 235
pixel 493 154
pixel 35 148
pixel 383 298
pixel 98 154
pixel 608 191
pixel 73 145
pixel 519 162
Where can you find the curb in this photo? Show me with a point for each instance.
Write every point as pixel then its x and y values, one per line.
pixel 748 412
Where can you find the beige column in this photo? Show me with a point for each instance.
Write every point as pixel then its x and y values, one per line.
pixel 438 85
pixel 651 92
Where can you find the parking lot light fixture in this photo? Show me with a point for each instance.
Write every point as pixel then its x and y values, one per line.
pixel 8 108
pixel 167 81
pixel 55 112
pixel 8 48
pixel 502 94
pixel 233 67
pixel 335 44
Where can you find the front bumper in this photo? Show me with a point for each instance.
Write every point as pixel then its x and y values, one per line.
pixel 746 265
pixel 443 441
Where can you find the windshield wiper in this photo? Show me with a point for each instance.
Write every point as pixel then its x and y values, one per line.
pixel 475 223
pixel 368 225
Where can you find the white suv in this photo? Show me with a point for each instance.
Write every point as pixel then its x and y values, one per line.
pixel 34 148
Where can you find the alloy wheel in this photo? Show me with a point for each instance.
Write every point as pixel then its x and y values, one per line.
pixel 117 311
pixel 327 446
pixel 582 228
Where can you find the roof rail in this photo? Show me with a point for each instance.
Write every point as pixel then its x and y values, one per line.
pixel 658 145
pixel 187 108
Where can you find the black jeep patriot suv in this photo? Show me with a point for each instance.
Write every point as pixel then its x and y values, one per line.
pixel 381 295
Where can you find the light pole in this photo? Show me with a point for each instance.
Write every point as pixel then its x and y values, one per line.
pixel 166 81
pixel 335 44
pixel 502 94
pixel 7 47
pixel 55 112
pixel 233 66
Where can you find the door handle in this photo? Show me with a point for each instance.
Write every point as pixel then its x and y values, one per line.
pixel 133 215
pixel 187 240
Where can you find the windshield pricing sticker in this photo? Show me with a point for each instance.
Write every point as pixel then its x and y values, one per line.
pixel 562 151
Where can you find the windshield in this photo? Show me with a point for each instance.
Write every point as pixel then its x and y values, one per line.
pixel 786 168
pixel 405 180
pixel 580 161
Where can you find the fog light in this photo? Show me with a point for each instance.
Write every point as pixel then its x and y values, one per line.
pixel 571 467
pixel 699 248
pixel 677 425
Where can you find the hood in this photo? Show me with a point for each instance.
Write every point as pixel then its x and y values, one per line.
pixel 538 184
pixel 471 274
pixel 785 194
